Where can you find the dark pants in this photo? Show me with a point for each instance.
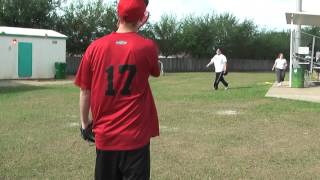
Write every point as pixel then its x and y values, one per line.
pixel 123 165
pixel 219 77
pixel 280 75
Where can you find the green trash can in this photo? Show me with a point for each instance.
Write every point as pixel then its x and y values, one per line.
pixel 298 77
pixel 60 70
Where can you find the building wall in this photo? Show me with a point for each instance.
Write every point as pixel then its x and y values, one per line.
pixel 45 52
pixel 8 58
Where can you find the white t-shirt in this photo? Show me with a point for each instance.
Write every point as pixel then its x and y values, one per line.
pixel 280 63
pixel 219 62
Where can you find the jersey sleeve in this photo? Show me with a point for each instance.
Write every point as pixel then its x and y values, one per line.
pixel 211 61
pixel 84 75
pixel 153 57
pixel 224 59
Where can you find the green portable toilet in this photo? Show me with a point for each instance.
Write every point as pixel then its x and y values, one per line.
pixel 60 70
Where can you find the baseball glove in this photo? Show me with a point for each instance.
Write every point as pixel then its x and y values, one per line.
pixel 87 133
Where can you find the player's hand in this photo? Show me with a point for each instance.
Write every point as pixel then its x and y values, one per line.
pixel 87 133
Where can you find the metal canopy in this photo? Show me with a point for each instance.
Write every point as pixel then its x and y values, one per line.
pixel 303 18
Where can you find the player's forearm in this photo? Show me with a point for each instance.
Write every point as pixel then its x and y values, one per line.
pixel 84 107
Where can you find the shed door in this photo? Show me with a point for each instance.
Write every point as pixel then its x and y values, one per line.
pixel 25 59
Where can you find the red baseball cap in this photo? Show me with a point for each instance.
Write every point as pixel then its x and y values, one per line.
pixel 131 10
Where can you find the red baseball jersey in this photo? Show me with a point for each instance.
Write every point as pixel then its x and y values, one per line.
pixel 116 69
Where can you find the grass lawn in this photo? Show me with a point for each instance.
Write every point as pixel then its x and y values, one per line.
pixel 205 134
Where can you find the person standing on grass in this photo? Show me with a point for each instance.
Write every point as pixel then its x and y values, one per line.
pixel 280 66
pixel 113 80
pixel 220 67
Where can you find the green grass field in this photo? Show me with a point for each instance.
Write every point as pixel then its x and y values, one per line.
pixel 205 134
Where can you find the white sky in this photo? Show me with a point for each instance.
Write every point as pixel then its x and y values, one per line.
pixel 269 14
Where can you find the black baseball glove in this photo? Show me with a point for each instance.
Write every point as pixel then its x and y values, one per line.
pixel 225 73
pixel 87 133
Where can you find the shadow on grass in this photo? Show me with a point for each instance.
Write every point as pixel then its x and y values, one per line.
pixel 18 89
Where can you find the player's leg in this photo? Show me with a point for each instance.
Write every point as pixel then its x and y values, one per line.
pixel 224 82
pixel 278 74
pixel 283 74
pixel 217 80
pixel 135 164
pixel 107 165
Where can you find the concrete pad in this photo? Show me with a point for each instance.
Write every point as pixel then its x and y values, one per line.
pixel 311 93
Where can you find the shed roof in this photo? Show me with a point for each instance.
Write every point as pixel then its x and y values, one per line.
pixel 29 32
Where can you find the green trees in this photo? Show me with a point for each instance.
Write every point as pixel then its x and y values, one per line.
pixel 166 32
pixel 28 13
pixel 83 21
pixel 199 35
pixel 268 44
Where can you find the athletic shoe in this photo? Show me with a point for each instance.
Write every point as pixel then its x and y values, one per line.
pixel 226 88
pixel 214 88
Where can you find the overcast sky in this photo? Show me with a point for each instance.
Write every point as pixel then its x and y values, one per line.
pixel 269 14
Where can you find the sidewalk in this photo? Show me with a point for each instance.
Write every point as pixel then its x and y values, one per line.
pixel 311 94
pixel 15 83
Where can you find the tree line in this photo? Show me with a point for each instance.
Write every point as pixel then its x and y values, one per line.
pixel 84 21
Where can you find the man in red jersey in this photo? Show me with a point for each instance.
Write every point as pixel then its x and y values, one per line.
pixel 113 80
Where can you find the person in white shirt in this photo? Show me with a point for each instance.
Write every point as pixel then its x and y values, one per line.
pixel 220 66
pixel 280 65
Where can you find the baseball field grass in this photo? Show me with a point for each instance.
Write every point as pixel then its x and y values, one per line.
pixel 226 134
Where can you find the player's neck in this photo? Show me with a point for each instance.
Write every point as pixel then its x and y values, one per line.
pixel 126 28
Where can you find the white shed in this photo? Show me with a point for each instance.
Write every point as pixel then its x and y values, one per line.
pixel 30 53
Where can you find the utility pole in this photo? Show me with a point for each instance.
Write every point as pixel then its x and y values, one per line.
pixel 298 28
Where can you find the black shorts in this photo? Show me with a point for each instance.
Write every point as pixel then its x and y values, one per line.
pixel 123 165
